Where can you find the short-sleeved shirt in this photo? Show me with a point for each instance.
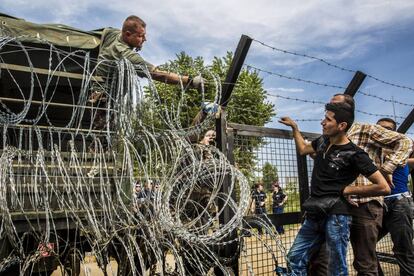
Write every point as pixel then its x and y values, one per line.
pixel 374 139
pixel 113 48
pixel 259 197
pixel 400 180
pixel 278 198
pixel 335 168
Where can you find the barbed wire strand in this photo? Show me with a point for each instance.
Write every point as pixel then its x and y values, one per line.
pixel 330 64
pixel 325 85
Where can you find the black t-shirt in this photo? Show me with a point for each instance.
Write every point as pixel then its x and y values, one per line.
pixel 278 198
pixel 258 198
pixel 337 167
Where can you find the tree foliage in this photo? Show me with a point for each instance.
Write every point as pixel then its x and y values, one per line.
pixel 270 175
pixel 247 104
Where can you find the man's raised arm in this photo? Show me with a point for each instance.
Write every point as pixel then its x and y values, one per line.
pixel 301 145
pixel 172 78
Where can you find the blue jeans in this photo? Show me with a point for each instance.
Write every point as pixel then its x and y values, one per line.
pixel 279 210
pixel 333 229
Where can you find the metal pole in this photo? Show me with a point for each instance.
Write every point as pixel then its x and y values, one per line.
pixel 235 68
pixel 221 139
pixel 355 83
pixel 303 178
pixel 407 123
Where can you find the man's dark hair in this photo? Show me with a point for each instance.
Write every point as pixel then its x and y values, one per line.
pixel 132 22
pixel 343 113
pixel 348 99
pixel 278 186
pixel 389 120
pixel 258 185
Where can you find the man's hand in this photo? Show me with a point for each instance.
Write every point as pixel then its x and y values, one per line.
pixel 288 122
pixel 351 201
pixel 348 197
pixel 198 82
pixel 97 96
pixel 209 107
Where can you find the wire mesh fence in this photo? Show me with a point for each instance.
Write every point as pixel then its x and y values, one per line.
pixel 267 156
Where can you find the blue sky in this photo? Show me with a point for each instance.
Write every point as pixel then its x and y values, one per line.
pixel 372 36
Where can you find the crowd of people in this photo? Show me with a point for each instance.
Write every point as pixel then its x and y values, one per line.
pixel 359 181
pixel 359 193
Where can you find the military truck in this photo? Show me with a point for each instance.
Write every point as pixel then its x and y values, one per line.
pixel 58 189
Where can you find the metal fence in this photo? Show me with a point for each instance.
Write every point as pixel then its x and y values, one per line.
pixel 257 147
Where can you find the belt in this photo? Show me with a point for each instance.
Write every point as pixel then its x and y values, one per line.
pixel 397 196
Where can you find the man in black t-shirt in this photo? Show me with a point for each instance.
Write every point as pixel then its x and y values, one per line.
pixel 279 198
pixel 259 203
pixel 338 162
pixel 259 198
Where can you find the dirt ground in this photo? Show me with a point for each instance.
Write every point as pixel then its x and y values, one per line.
pixel 90 268
pixel 255 256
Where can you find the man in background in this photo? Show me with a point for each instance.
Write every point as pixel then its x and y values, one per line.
pixel 279 198
pixel 398 214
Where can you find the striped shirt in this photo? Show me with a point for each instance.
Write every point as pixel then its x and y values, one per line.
pixel 374 138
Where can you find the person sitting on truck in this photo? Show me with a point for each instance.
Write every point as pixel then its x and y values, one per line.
pixel 118 44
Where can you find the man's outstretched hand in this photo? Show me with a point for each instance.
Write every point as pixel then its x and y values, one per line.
pixel 209 107
pixel 198 82
pixel 288 122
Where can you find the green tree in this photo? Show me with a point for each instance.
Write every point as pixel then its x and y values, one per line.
pixel 270 175
pixel 248 103
pixel 292 190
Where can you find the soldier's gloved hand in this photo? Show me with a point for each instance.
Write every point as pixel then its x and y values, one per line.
pixel 209 107
pixel 198 82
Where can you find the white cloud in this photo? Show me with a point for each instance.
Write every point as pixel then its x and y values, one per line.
pixel 334 30
pixel 209 28
pixel 284 89
pixel 303 111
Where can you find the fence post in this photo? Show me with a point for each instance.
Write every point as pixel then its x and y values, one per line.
pixel 235 68
pixel 407 123
pixel 303 178
pixel 355 83
pixel 221 139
